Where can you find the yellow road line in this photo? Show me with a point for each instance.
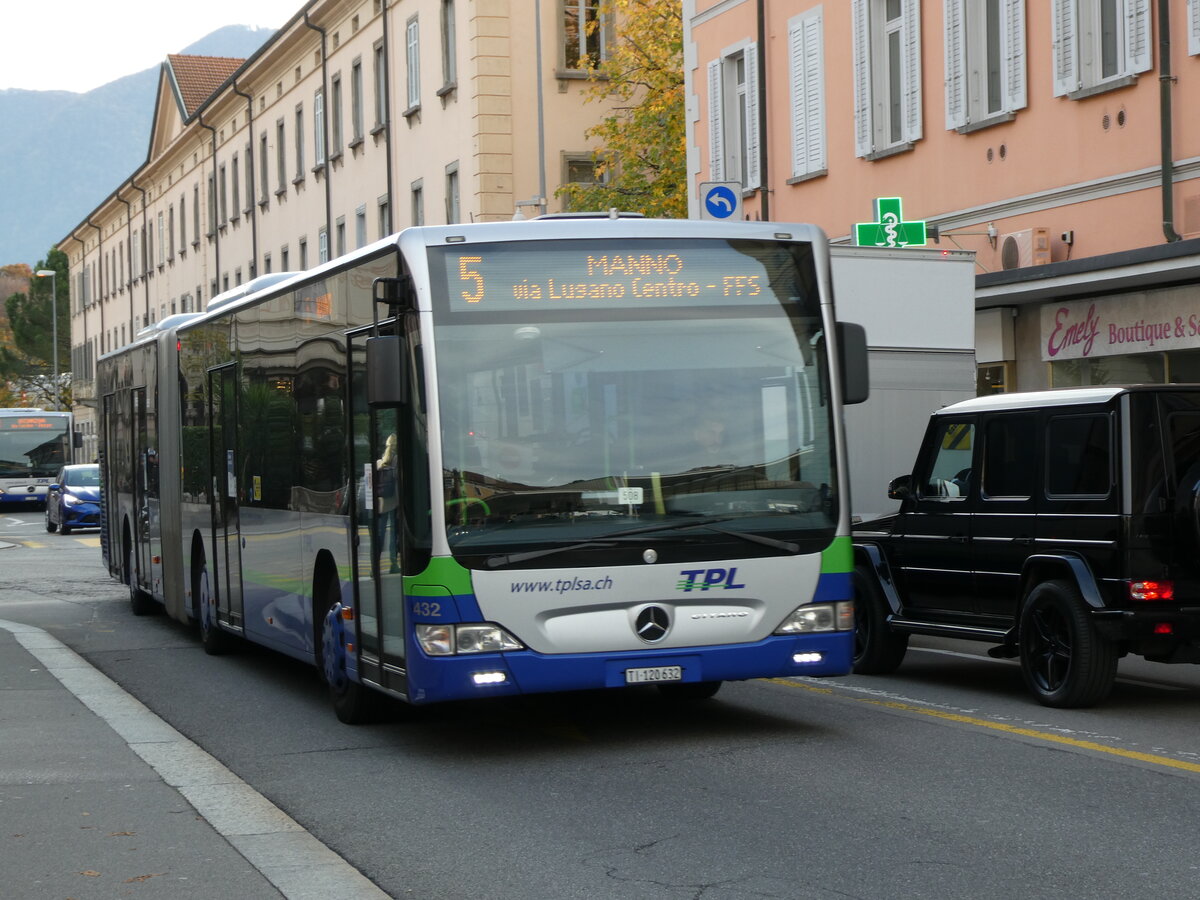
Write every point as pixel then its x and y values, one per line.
pixel 1151 758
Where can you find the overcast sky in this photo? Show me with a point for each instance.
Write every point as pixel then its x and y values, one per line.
pixel 77 45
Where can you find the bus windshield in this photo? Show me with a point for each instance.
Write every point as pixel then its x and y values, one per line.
pixel 659 383
pixel 32 445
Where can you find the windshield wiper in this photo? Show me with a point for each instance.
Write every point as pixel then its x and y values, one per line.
pixel 605 540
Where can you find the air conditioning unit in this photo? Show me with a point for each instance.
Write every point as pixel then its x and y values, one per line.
pixel 1030 247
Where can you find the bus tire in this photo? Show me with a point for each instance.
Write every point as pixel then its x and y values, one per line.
pixel 353 703
pixel 691 690
pixel 139 601
pixel 1066 662
pixel 877 649
pixel 214 641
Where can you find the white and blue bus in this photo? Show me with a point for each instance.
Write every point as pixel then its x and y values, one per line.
pixel 34 445
pixel 481 460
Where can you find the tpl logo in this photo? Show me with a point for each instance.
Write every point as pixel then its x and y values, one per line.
pixel 706 579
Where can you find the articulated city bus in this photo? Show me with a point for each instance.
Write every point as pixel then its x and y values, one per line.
pixel 479 460
pixel 34 445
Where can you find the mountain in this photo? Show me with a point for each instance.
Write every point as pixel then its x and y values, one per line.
pixel 65 152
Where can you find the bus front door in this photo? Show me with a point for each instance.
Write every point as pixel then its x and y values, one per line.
pixel 227 538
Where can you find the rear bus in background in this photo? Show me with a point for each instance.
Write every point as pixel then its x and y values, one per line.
pixel 482 460
pixel 34 445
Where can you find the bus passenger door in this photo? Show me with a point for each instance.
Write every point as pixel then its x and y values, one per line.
pixel 142 575
pixel 379 594
pixel 223 414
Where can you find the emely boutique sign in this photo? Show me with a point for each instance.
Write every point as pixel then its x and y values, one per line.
pixel 1113 326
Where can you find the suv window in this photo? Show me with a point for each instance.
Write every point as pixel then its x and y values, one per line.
pixel 1078 456
pixel 949 470
pixel 1009 465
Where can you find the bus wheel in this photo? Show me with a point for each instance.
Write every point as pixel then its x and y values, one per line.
pixel 353 703
pixel 139 601
pixel 214 641
pixel 692 690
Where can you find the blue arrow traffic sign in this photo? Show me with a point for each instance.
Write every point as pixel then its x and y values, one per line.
pixel 721 202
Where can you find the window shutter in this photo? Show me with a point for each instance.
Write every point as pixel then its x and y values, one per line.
pixel 912 70
pixel 1193 10
pixel 863 127
pixel 1013 53
pixel 805 50
pixel 753 163
pixel 956 64
pixel 716 127
pixel 1137 36
pixel 1066 60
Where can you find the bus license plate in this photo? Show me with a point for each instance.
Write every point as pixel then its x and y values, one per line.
pixel 654 673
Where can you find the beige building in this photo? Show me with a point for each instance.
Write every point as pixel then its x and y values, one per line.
pixel 1057 140
pixel 356 119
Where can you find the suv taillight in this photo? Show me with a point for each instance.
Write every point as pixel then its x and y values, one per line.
pixel 1151 590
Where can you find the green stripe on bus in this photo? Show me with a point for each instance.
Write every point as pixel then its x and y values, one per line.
pixel 838 556
pixel 441 575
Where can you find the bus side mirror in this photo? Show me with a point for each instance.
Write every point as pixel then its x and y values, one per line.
pixel 387 372
pixel 852 360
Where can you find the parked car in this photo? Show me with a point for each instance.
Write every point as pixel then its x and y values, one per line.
pixel 1061 526
pixel 73 501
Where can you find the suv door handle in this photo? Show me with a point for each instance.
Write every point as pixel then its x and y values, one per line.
pixel 958 538
pixel 1023 540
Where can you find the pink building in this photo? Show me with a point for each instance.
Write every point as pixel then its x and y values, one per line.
pixel 1057 140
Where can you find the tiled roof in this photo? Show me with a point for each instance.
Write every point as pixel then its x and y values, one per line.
pixel 198 77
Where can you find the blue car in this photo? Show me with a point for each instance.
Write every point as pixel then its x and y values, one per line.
pixel 74 499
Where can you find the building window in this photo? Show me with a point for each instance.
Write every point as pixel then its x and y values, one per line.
pixel 303 253
pixel 356 100
pixel 733 153
pixel 887 76
pixel 196 212
pixel 580 168
pixel 412 58
pixel 162 239
pixel 453 208
pixel 223 195
pixel 339 229
pixel 1193 26
pixel 385 217
pixel 1099 44
pixel 171 232
pixel 264 156
pixel 360 226
pixel 299 143
pixel 449 51
pixel 235 177
pixel 322 245
pixel 212 204
pixel 417 204
pixel 335 113
pixel 380 87
pixel 806 77
pixel 182 222
pixel 249 178
pixel 584 43
pixel 280 157
pixel 319 128
pixel 985 61
pixel 284 259
pixel 266 263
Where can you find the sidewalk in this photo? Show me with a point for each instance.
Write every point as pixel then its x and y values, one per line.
pixel 100 798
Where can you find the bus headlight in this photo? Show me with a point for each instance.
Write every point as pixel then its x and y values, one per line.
pixel 813 617
pixel 447 640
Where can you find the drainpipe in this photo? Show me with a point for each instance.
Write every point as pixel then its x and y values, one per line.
pixel 252 200
pixel 387 114
pixel 325 127
pixel 216 231
pixel 763 180
pixel 541 109
pixel 1164 103
pixel 142 249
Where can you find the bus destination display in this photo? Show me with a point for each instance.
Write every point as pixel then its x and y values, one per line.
pixel 29 423
pixel 560 274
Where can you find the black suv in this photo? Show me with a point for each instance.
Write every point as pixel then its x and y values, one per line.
pixel 1062 526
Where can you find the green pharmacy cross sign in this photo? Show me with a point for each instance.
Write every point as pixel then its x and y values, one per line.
pixel 890 230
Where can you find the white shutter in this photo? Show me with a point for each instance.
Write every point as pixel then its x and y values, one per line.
pixel 1013 53
pixel 753 163
pixel 1138 40
pixel 1193 10
pixel 956 63
pixel 911 41
pixel 807 71
pixel 716 127
pixel 1065 55
pixel 864 130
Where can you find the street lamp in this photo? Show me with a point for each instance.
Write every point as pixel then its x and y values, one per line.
pixel 53 275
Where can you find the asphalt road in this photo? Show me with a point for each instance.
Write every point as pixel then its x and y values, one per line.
pixel 945 780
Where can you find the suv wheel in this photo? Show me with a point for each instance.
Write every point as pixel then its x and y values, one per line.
pixel 1066 662
pixel 877 649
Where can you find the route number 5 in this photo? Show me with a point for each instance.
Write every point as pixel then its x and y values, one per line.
pixel 465 273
